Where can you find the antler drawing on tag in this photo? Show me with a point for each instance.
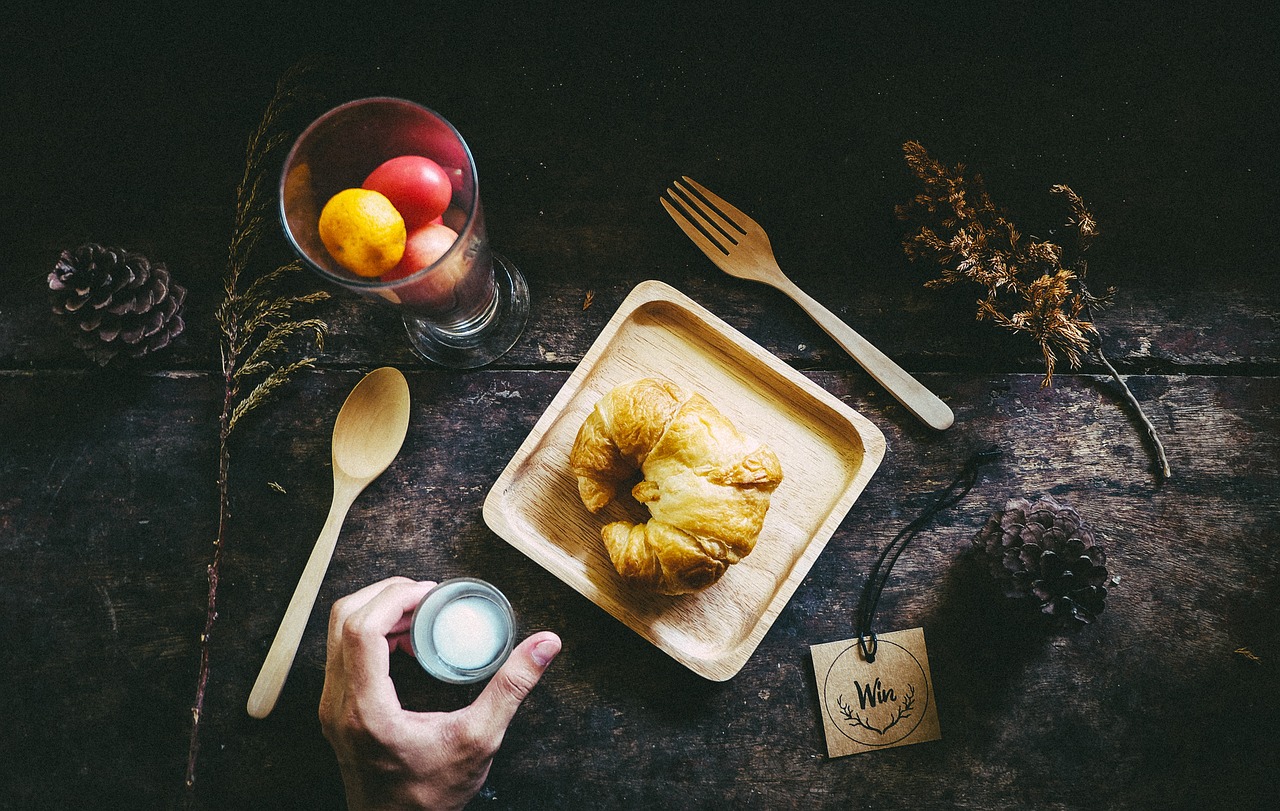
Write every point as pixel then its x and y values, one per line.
pixel 903 710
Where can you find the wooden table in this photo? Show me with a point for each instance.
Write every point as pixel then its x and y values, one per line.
pixel 130 131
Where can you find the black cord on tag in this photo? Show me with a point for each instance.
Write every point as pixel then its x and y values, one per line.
pixel 949 497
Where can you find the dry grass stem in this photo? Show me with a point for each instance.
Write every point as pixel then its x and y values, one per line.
pixel 257 328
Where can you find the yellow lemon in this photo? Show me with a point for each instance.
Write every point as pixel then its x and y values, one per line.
pixel 363 231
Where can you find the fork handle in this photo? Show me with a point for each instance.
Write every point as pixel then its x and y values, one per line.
pixel 906 389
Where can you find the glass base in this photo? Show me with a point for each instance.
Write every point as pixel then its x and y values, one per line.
pixel 486 344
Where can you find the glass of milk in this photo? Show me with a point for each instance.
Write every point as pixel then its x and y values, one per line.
pixel 463 630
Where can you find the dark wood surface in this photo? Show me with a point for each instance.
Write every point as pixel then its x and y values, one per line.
pixel 129 129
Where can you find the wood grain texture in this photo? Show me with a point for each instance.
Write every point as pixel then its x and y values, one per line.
pixel 1151 695
pixel 127 127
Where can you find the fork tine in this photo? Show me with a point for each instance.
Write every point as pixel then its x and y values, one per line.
pixel 714 251
pixel 705 212
pixel 720 232
pixel 741 221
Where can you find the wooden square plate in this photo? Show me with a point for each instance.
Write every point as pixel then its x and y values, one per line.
pixel 828 453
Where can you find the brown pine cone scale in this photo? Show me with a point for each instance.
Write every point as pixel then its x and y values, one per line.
pixel 120 302
pixel 1045 551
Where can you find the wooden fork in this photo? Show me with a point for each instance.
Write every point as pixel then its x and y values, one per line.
pixel 740 247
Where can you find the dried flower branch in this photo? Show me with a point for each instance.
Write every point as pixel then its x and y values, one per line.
pixel 1031 286
pixel 256 326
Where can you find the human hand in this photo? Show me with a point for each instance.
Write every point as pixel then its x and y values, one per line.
pixel 393 758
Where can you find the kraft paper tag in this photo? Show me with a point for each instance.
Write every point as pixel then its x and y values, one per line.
pixel 876 705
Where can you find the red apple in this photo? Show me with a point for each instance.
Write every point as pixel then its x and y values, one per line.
pixel 422 248
pixel 435 290
pixel 417 186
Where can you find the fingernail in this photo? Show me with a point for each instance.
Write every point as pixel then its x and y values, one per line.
pixel 545 651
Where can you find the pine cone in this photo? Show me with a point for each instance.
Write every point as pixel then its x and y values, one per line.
pixel 1045 550
pixel 121 302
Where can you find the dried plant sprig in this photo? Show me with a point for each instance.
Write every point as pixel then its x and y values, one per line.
pixel 257 328
pixel 1027 287
pixel 1248 655
pixel 1031 286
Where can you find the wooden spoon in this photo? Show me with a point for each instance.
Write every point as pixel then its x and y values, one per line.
pixel 367 435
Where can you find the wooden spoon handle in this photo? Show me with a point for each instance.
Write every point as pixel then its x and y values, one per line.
pixel 906 389
pixel 262 698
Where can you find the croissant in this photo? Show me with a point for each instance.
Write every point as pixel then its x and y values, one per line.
pixel 706 485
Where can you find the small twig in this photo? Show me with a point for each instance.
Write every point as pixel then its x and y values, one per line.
pixel 1148 428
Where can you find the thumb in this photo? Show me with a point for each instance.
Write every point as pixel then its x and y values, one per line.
pixel 497 704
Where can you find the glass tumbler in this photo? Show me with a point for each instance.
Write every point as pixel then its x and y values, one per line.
pixel 462 311
pixel 463 630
